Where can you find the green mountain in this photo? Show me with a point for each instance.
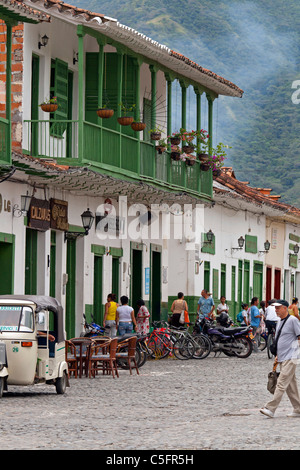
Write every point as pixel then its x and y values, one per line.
pixel 252 43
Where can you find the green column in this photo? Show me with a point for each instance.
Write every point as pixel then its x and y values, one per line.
pixel 210 120
pixel 153 70
pixel 100 75
pixel 183 103
pixel 198 113
pixel 80 35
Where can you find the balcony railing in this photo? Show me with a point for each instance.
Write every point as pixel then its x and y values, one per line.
pixel 115 153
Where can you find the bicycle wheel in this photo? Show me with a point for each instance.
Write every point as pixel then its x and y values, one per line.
pixel 263 343
pixel 151 348
pixel 202 346
pixel 183 349
pixel 164 345
pixel 142 355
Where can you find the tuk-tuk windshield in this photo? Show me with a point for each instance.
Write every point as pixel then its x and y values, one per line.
pixel 16 318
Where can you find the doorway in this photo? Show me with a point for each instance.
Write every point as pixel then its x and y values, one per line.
pixel 277 282
pixel 31 261
pixel 268 283
pixel 97 305
pixel 7 260
pixel 71 289
pixel 136 277
pixel 156 285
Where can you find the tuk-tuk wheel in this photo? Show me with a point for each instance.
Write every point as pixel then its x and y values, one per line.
pixel 1 386
pixel 61 384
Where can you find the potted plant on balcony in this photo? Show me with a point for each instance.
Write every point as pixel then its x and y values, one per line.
pixel 155 133
pixel 175 138
pixel 187 139
pixel 138 126
pixel 105 112
pixel 190 159
pixel 215 160
pixel 162 146
pixel 49 105
pixel 126 120
pixel 175 152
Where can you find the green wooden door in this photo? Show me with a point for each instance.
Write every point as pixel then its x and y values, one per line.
pixel 207 275
pixel 7 274
pixel 240 283
pixel 215 291
pixel 258 279
pixel 31 261
pixel 98 311
pixel 91 87
pixel 223 280
pixel 71 289
pixel 156 285
pixel 246 292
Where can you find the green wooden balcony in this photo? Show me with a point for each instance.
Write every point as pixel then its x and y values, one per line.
pixel 113 153
pixel 5 153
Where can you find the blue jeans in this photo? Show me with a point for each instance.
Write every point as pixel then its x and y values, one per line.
pixel 125 327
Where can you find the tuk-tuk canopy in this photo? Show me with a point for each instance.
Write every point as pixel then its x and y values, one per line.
pixel 43 302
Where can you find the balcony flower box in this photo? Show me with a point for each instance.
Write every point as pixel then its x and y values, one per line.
pixel 50 105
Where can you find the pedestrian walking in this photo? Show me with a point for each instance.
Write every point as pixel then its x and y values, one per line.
pixel 271 318
pixel 293 308
pixel 206 306
pixel 109 320
pixel 255 323
pixel 177 307
pixel 222 307
pixel 125 318
pixel 142 318
pixel 287 336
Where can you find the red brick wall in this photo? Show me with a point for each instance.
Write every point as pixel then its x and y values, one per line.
pixel 16 80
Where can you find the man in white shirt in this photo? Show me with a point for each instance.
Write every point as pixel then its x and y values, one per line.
pixel 271 318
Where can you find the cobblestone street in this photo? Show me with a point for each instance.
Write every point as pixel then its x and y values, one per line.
pixel 172 404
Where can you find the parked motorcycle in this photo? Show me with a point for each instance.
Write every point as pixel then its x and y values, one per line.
pixel 92 329
pixel 231 341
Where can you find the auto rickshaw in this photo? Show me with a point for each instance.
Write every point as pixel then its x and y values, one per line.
pixel 32 342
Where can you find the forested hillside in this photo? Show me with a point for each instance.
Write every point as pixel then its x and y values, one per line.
pixel 254 44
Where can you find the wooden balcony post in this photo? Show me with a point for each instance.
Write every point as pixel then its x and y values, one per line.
pixel 81 92
pixel 153 70
pixel 210 101
pixel 184 87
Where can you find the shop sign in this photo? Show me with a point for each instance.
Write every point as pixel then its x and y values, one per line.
pixel 5 204
pixel 39 214
pixel 59 214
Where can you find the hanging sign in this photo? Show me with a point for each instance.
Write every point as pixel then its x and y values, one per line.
pixel 39 214
pixel 59 214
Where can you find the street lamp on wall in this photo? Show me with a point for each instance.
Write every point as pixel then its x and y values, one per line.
pixel 25 204
pixel 296 249
pixel 209 237
pixel 267 245
pixel 44 42
pixel 241 242
pixel 87 219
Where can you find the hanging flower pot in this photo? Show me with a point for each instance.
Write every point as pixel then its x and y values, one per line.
pixel 138 126
pixel 105 113
pixel 155 135
pixel 188 148
pixel 125 120
pixel 49 107
pixel 175 140
pixel 203 157
pixel 175 156
pixel 161 148
pixel 190 162
pixel 205 166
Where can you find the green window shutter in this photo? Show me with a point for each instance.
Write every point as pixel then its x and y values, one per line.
pixel 110 88
pixel 129 89
pixel 91 87
pixel 59 88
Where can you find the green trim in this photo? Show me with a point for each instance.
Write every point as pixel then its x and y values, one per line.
pixel 98 250
pixel 250 244
pixel 116 252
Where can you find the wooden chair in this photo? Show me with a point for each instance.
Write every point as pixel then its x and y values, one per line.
pixel 71 358
pixel 126 352
pixel 83 348
pixel 103 357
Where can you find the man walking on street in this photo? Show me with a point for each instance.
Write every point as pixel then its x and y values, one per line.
pixel 205 306
pixel 255 322
pixel 287 355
